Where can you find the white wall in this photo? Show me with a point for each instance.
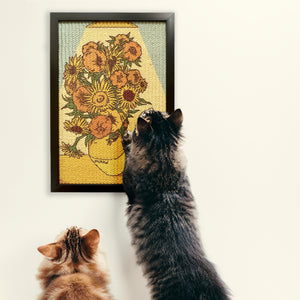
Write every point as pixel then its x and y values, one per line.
pixel 238 84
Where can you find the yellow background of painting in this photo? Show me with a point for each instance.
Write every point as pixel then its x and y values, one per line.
pixel 83 170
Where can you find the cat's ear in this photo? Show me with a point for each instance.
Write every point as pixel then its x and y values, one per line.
pixel 51 251
pixel 142 125
pixel 91 240
pixel 176 118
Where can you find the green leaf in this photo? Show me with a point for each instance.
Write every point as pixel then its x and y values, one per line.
pixel 67 99
pixel 82 79
pixel 122 130
pixel 88 138
pixel 125 64
pixel 69 105
pixel 97 76
pixel 133 111
pixel 137 62
pixel 101 47
pixel 143 101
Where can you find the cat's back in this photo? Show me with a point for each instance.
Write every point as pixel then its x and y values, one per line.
pixel 76 286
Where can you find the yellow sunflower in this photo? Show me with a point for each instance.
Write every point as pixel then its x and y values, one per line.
pixel 72 86
pixel 142 85
pixel 70 151
pixel 116 119
pixel 78 125
pixel 128 97
pixel 101 98
pixel 113 59
pixel 73 68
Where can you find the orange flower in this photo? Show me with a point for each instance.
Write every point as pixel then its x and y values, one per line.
pixel 71 87
pixel 80 98
pixel 100 126
pixel 132 51
pixel 94 60
pixel 118 78
pixel 89 46
pixel 120 39
pixel 134 76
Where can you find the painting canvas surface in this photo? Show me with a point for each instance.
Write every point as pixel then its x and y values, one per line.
pixel 109 72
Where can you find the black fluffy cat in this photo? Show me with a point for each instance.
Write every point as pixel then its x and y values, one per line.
pixel 161 213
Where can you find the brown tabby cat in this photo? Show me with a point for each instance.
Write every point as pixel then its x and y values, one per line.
pixel 70 270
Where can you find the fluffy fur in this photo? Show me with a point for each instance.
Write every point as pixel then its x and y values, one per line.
pixel 161 213
pixel 70 270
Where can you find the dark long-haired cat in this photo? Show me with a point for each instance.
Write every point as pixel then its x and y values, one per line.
pixel 70 270
pixel 161 213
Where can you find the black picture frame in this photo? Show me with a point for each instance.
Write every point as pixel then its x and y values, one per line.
pixel 55 18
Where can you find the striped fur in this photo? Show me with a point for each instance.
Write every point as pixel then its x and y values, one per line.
pixel 161 213
pixel 70 269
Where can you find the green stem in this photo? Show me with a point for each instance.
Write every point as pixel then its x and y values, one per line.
pixel 125 65
pixel 87 116
pixel 121 110
pixel 76 141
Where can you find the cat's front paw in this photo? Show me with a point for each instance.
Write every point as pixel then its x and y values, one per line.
pixel 126 140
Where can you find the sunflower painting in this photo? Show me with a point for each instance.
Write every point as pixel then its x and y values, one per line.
pixel 111 76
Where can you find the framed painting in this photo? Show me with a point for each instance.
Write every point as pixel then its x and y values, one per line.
pixel 106 68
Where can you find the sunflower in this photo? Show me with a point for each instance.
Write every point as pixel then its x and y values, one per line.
pixel 73 68
pixel 118 79
pixel 71 87
pixel 114 59
pixel 94 60
pixel 71 151
pixel 80 97
pixel 128 97
pixel 142 86
pixel 134 76
pixel 101 97
pixel 78 125
pixel 88 46
pixel 120 39
pixel 101 126
pixel 116 119
pixel 132 51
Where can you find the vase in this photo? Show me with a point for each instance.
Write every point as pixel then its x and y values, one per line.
pixel 110 159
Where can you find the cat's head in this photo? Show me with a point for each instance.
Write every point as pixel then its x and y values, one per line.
pixel 73 249
pixel 157 128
